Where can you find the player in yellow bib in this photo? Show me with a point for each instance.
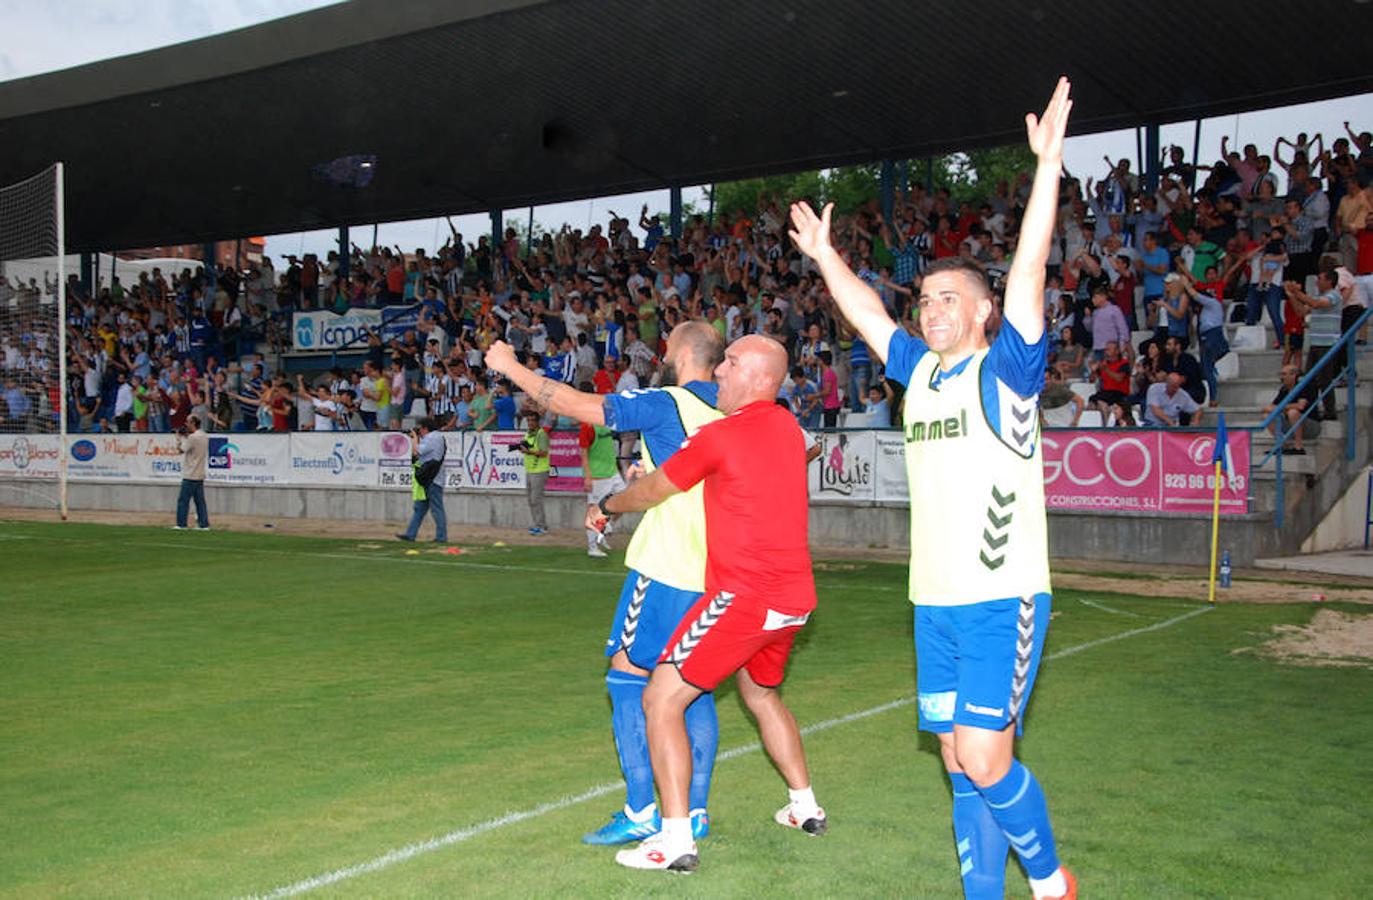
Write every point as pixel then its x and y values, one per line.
pixel 666 558
pixel 979 575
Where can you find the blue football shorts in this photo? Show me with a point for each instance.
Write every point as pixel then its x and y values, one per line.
pixel 976 664
pixel 646 617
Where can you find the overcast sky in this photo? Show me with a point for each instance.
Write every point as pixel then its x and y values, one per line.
pixel 48 35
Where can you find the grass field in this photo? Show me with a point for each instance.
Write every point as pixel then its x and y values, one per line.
pixel 229 715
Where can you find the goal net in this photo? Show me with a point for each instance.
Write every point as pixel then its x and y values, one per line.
pixel 33 346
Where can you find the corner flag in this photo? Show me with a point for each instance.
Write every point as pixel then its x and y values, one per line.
pixel 1224 464
pixel 1221 452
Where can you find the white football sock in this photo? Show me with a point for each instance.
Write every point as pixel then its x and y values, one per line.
pixel 642 815
pixel 1053 886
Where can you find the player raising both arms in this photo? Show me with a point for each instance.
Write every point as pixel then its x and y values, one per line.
pixel 666 558
pixel 979 574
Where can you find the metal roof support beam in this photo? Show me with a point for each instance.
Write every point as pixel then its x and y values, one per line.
pixel 675 210
pixel 345 252
pixel 887 188
pixel 1151 156
pixel 497 235
pixel 209 253
pixel 929 175
pixel 87 280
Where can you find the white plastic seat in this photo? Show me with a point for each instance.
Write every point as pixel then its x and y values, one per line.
pixel 1090 419
pixel 1250 337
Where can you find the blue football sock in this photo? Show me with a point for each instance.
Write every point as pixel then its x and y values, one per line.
pixel 703 730
pixel 631 735
pixel 1017 803
pixel 982 845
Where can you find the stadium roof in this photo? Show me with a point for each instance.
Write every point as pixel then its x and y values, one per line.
pixel 469 105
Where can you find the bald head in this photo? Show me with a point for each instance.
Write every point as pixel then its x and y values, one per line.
pixel 694 349
pixel 753 370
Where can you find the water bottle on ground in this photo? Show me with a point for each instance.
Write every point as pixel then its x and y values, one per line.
pixel 1225 569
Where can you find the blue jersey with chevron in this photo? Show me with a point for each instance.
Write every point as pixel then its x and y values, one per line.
pixel 1014 371
pixel 653 413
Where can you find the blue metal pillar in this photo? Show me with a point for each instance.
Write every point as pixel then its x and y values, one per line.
pixel 903 175
pixel 929 174
pixel 886 188
pixel 209 252
pixel 675 210
pixel 345 252
pixel 497 230
pixel 1152 153
pixel 710 214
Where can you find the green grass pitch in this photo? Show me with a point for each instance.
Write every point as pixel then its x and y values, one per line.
pixel 228 715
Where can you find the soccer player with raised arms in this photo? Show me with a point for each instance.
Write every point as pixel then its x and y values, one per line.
pixel 979 574
pixel 666 558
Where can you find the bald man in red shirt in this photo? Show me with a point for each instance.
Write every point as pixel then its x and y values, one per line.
pixel 759 590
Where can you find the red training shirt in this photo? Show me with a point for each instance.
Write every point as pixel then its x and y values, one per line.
pixel 753 463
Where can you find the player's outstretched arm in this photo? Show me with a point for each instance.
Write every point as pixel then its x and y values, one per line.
pixel 1025 283
pixel 562 399
pixel 858 302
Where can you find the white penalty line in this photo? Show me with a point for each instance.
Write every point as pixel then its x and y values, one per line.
pixel 410 851
pixel 1104 608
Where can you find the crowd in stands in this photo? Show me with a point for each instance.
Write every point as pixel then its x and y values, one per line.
pixel 594 309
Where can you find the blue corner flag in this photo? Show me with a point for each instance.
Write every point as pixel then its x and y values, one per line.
pixel 1221 453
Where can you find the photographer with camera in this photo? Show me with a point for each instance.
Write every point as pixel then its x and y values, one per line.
pixel 194 443
pixel 534 446
pixel 427 450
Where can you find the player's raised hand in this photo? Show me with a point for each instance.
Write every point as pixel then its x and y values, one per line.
pixel 500 357
pixel 809 232
pixel 1045 133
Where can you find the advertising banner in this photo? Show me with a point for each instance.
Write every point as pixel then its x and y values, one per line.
pixel 1145 471
pixel 249 459
pixel 396 320
pixel 30 455
pixel 124 457
pixel 393 460
pixel 489 462
pixel 1088 469
pixel 844 470
pixel 565 456
pixel 321 330
pixel 889 464
pixel 342 458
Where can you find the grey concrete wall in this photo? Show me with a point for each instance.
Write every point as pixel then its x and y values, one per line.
pixel 1106 536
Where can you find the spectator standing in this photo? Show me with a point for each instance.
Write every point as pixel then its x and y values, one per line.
pixel 804 399
pixel 829 390
pixel 194 444
pixel 1322 331
pixel 1108 325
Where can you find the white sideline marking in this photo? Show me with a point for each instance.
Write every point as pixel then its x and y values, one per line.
pixel 1104 608
pixel 410 851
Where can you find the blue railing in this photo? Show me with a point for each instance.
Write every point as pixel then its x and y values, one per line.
pixel 1350 374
